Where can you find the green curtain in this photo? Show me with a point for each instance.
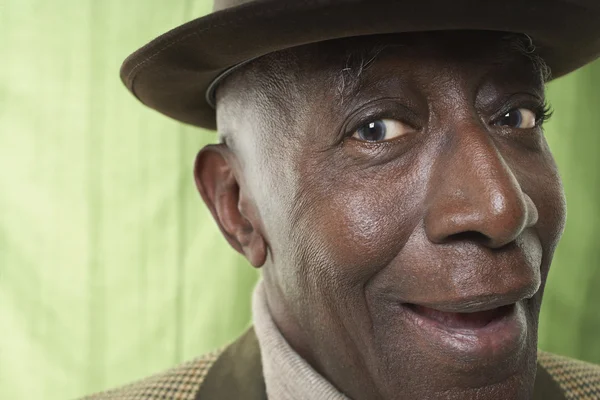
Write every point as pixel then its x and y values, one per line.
pixel 111 267
pixel 570 320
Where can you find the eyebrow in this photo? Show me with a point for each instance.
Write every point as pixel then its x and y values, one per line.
pixel 524 45
pixel 349 78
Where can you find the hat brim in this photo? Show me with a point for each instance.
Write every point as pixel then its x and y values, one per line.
pixel 173 73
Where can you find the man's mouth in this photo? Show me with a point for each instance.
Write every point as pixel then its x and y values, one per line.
pixel 482 331
pixel 462 320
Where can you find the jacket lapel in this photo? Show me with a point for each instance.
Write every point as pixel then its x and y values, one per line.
pixel 237 373
pixel 545 387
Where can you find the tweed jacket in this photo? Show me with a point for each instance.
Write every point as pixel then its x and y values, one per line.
pixel 235 373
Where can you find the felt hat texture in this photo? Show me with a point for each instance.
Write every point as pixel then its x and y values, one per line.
pixel 177 73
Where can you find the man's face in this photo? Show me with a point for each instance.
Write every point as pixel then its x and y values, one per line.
pixel 410 206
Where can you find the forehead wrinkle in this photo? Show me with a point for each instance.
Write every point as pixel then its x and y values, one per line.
pixel 350 79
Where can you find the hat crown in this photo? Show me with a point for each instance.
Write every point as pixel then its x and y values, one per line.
pixel 224 4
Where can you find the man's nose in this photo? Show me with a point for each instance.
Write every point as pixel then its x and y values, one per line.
pixel 473 194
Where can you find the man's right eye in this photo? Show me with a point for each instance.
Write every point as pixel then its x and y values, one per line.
pixel 519 118
pixel 381 130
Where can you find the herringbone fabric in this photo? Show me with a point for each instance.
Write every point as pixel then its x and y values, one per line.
pixel 579 380
pixel 179 383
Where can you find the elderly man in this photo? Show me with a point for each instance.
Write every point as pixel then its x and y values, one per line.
pixel 384 163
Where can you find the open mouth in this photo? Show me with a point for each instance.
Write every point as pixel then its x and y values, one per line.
pixel 479 331
pixel 458 320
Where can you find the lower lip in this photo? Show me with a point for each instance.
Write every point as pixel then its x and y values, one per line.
pixel 502 336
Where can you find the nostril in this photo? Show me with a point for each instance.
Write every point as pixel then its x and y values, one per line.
pixel 470 236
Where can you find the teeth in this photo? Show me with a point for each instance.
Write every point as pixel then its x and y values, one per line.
pixel 462 320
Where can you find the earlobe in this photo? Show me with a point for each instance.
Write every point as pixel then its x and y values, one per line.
pixel 229 205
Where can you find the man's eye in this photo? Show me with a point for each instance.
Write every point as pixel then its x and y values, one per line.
pixel 381 130
pixel 519 118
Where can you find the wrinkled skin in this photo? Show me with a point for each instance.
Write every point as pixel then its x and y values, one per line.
pixel 459 214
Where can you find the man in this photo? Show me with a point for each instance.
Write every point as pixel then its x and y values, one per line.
pixel 384 164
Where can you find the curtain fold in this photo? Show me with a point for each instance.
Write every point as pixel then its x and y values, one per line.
pixel 111 268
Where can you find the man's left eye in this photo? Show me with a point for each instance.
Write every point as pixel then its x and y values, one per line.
pixel 381 130
pixel 519 118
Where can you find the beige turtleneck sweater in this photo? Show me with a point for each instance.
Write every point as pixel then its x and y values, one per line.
pixel 287 375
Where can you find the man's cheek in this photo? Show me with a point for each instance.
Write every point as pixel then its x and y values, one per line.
pixel 358 233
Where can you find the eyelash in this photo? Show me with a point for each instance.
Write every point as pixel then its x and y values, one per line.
pixel 543 113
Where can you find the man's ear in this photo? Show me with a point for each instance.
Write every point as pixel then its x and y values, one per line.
pixel 231 207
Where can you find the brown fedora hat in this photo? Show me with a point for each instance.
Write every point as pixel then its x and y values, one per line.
pixel 177 72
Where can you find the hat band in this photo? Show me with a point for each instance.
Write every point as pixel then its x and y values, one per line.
pixel 211 92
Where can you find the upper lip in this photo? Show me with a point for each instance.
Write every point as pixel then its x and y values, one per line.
pixel 476 303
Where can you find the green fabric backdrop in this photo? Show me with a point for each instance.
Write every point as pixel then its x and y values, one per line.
pixel 110 266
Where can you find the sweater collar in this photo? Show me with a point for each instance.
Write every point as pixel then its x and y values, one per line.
pixel 287 375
